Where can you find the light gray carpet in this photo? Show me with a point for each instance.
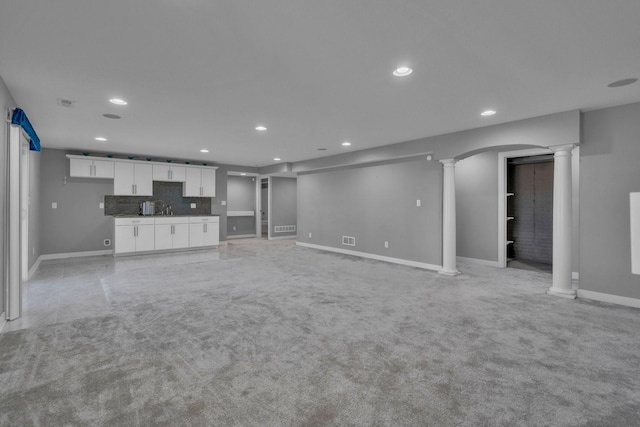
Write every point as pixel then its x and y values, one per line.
pixel 271 334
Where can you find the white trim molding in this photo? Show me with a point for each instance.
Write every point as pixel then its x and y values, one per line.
pixel 613 299
pixel 241 236
pixel 293 236
pixel 76 254
pixel 400 261
pixel 477 261
pixel 34 268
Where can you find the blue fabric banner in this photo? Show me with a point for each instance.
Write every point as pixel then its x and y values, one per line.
pixel 20 118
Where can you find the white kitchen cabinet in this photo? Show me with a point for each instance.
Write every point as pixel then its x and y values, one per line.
pixel 134 235
pixel 90 168
pixel 172 233
pixel 132 179
pixel 169 173
pixel 204 231
pixel 200 182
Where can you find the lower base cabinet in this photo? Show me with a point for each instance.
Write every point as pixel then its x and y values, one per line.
pixel 144 234
pixel 204 231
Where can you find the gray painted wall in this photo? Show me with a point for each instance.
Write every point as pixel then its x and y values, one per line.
pixel 78 224
pixel 609 171
pixel 477 207
pixel 34 207
pixel 375 204
pixel 6 102
pixel 241 194
pixel 283 204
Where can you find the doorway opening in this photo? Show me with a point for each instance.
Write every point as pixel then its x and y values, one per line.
pixel 264 208
pixel 529 205
pixel 242 205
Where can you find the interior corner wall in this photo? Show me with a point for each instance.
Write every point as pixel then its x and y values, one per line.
pixel 34 207
pixel 375 204
pixel 609 171
pixel 241 195
pixel 78 224
pixel 477 206
pixel 283 205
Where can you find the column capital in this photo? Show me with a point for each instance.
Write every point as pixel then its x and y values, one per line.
pixel 560 148
pixel 448 162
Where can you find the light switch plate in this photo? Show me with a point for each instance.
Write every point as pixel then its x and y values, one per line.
pixel 54 205
pixel 223 203
pixel 101 205
pixel 193 205
pixel 418 203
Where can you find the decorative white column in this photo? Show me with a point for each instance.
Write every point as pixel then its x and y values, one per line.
pixel 449 219
pixel 562 223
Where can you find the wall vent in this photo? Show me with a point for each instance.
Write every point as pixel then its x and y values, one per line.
pixel 284 229
pixel 348 241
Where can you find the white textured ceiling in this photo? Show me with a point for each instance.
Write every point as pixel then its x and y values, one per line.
pixel 203 73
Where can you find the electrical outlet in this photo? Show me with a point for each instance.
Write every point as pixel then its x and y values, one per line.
pixel 223 203
pixel 101 205
pixel 418 203
pixel 54 205
pixel 310 235
pixel 193 205
pixel 234 228
pixel 107 242
pixel 386 244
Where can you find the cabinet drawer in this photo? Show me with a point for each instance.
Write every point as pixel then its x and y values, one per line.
pixel 134 221
pixel 172 220
pixel 201 219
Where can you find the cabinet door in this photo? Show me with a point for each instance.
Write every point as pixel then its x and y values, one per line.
pixel 178 173
pixel 125 239
pixel 164 237
pixel 143 179
pixel 161 173
pixel 180 236
pixel 103 168
pixel 211 234
pixel 123 179
pixel 192 185
pixel 196 235
pixel 145 238
pixel 208 182
pixel 80 168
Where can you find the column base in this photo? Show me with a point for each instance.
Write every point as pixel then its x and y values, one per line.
pixel 562 293
pixel 449 272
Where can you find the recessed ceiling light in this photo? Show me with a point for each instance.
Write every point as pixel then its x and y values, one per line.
pixel 204 150
pixel 277 159
pixel 118 101
pixel 346 144
pixel 261 127
pixel 623 82
pixel 402 71
pixel 111 116
pixel 100 138
pixel 486 113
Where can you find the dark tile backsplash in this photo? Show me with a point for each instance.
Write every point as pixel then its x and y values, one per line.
pixel 169 192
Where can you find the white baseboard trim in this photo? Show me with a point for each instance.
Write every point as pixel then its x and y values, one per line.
pixel 613 299
pixel 400 261
pixel 575 275
pixel 295 236
pixel 3 321
pixel 76 254
pixel 477 261
pixel 241 236
pixel 34 268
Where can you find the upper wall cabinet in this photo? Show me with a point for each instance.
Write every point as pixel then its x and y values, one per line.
pixel 201 182
pixel 90 168
pixel 133 179
pixel 170 173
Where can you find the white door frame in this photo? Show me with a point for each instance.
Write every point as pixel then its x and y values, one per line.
pixel 14 296
pixel 502 196
pixel 25 201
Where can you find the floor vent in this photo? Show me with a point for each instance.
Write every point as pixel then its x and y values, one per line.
pixel 284 229
pixel 348 241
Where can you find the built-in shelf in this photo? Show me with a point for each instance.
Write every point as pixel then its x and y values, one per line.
pixel 240 213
